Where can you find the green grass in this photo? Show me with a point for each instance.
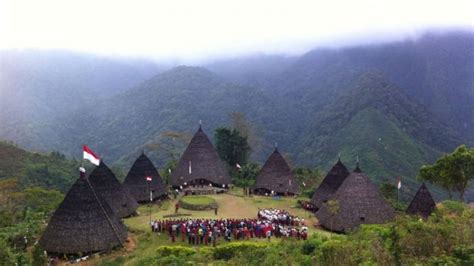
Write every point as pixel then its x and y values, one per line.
pixel 198 200
pixel 230 206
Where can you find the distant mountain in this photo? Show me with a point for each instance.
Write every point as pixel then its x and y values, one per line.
pixel 377 119
pixel 396 105
pixel 436 70
pixel 174 100
pixel 255 70
pixel 38 86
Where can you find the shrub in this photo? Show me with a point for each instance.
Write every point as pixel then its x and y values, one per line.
pixel 336 252
pixel 228 251
pixel 165 251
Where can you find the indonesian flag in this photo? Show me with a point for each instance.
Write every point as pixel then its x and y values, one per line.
pixel 399 183
pixel 190 168
pixel 89 155
pixel 238 166
pixel 148 178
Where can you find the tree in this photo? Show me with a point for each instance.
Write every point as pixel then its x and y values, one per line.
pixel 309 179
pixel 231 146
pixel 453 171
pixel 389 191
pixel 246 129
pixel 245 177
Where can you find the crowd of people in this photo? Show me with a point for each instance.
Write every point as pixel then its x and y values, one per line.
pixel 208 231
pixel 279 216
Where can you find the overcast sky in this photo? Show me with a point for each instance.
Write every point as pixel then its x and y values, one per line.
pixel 203 28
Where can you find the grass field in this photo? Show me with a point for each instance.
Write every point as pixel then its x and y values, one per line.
pixel 234 205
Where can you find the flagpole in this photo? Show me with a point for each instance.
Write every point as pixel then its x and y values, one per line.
pixel 149 203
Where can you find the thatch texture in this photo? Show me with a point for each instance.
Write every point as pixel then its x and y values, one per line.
pixel 204 162
pixel 106 184
pixel 138 186
pixel 359 202
pixel 422 204
pixel 276 176
pixel 82 225
pixel 330 184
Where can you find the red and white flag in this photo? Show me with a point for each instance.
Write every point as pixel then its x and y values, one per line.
pixel 89 155
pixel 399 183
pixel 148 178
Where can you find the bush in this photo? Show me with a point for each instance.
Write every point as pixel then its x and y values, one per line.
pixel 228 251
pixel 337 252
pixel 165 251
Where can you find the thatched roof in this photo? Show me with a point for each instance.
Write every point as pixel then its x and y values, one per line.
pixel 359 202
pixel 330 184
pixel 83 223
pixel 106 184
pixel 422 204
pixel 276 176
pixel 204 162
pixel 136 182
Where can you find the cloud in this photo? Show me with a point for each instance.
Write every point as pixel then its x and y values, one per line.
pixel 197 29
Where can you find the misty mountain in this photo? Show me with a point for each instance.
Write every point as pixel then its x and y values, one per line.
pixel 39 86
pixel 256 70
pixel 171 101
pixel 396 106
pixel 436 70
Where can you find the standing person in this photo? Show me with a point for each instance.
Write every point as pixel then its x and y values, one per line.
pixel 215 210
pixel 176 207
pixel 215 234
pixel 183 231
pixel 200 235
pixel 174 228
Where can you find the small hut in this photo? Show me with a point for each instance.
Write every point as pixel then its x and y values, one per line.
pixel 422 204
pixel 200 166
pixel 330 184
pixel 138 186
pixel 358 201
pixel 106 184
pixel 83 223
pixel 276 177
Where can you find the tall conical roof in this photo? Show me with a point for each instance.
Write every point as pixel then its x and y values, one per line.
pixel 359 202
pixel 200 161
pixel 330 184
pixel 106 184
pixel 422 204
pixel 276 176
pixel 83 223
pixel 136 182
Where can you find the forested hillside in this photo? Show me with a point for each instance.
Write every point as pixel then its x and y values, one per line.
pixel 395 105
pixel 30 169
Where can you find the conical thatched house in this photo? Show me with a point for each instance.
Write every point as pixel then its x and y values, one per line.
pixel 422 204
pixel 276 176
pixel 330 184
pixel 358 201
pixel 83 223
pixel 106 184
pixel 200 165
pixel 137 184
